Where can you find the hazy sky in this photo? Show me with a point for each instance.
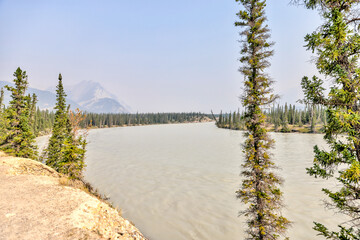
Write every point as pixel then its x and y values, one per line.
pixel 157 56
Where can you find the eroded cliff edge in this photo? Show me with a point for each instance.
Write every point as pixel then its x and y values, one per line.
pixel 38 203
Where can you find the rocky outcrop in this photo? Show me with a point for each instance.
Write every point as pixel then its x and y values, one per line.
pixel 38 203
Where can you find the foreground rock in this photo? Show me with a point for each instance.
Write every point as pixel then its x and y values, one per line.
pixel 37 203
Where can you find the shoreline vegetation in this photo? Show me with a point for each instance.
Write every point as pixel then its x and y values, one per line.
pixel 108 120
pixel 291 129
pixel 297 121
pixel 284 119
pixel 44 120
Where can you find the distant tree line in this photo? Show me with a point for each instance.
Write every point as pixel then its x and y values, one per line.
pixel 126 119
pixel 44 119
pixel 278 118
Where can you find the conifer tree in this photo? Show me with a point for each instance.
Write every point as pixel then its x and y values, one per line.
pixel 312 89
pixel 337 46
pixel 293 115
pixel 260 187
pixel 75 146
pixel 20 139
pixel 230 121
pixel 234 122
pixel 1 99
pixel 66 151
pixel 54 152
pixel 285 121
pixel 3 121
pixel 32 108
pixel 220 119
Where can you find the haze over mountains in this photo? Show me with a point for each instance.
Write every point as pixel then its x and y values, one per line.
pixel 92 96
pixel 87 95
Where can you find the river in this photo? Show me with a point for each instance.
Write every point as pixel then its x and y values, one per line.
pixel 178 181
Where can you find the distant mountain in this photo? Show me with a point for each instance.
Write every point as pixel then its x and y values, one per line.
pixel 46 99
pixel 87 96
pixel 92 97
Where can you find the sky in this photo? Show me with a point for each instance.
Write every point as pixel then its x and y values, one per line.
pixel 156 56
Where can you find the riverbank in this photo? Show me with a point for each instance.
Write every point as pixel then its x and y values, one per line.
pixel 306 128
pixel 203 120
pixel 38 203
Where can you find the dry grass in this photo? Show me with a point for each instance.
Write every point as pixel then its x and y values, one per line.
pixel 86 187
pixel 295 128
pixel 65 181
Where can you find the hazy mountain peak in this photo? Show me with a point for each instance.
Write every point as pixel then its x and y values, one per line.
pixel 89 96
pixel 46 99
pixel 88 90
pixel 95 98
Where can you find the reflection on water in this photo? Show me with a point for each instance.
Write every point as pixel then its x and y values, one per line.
pixel 178 182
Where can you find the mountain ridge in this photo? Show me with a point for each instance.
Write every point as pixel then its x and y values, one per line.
pixel 91 98
pixel 91 95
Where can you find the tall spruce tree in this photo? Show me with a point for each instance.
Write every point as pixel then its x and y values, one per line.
pixel 65 152
pixel 285 120
pixel 337 46
pixel 260 187
pixel 312 89
pixel 54 154
pixel 19 139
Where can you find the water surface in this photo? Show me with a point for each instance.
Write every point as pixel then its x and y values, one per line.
pixel 178 181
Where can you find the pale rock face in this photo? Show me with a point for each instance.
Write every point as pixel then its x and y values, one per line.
pixel 94 98
pixel 102 93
